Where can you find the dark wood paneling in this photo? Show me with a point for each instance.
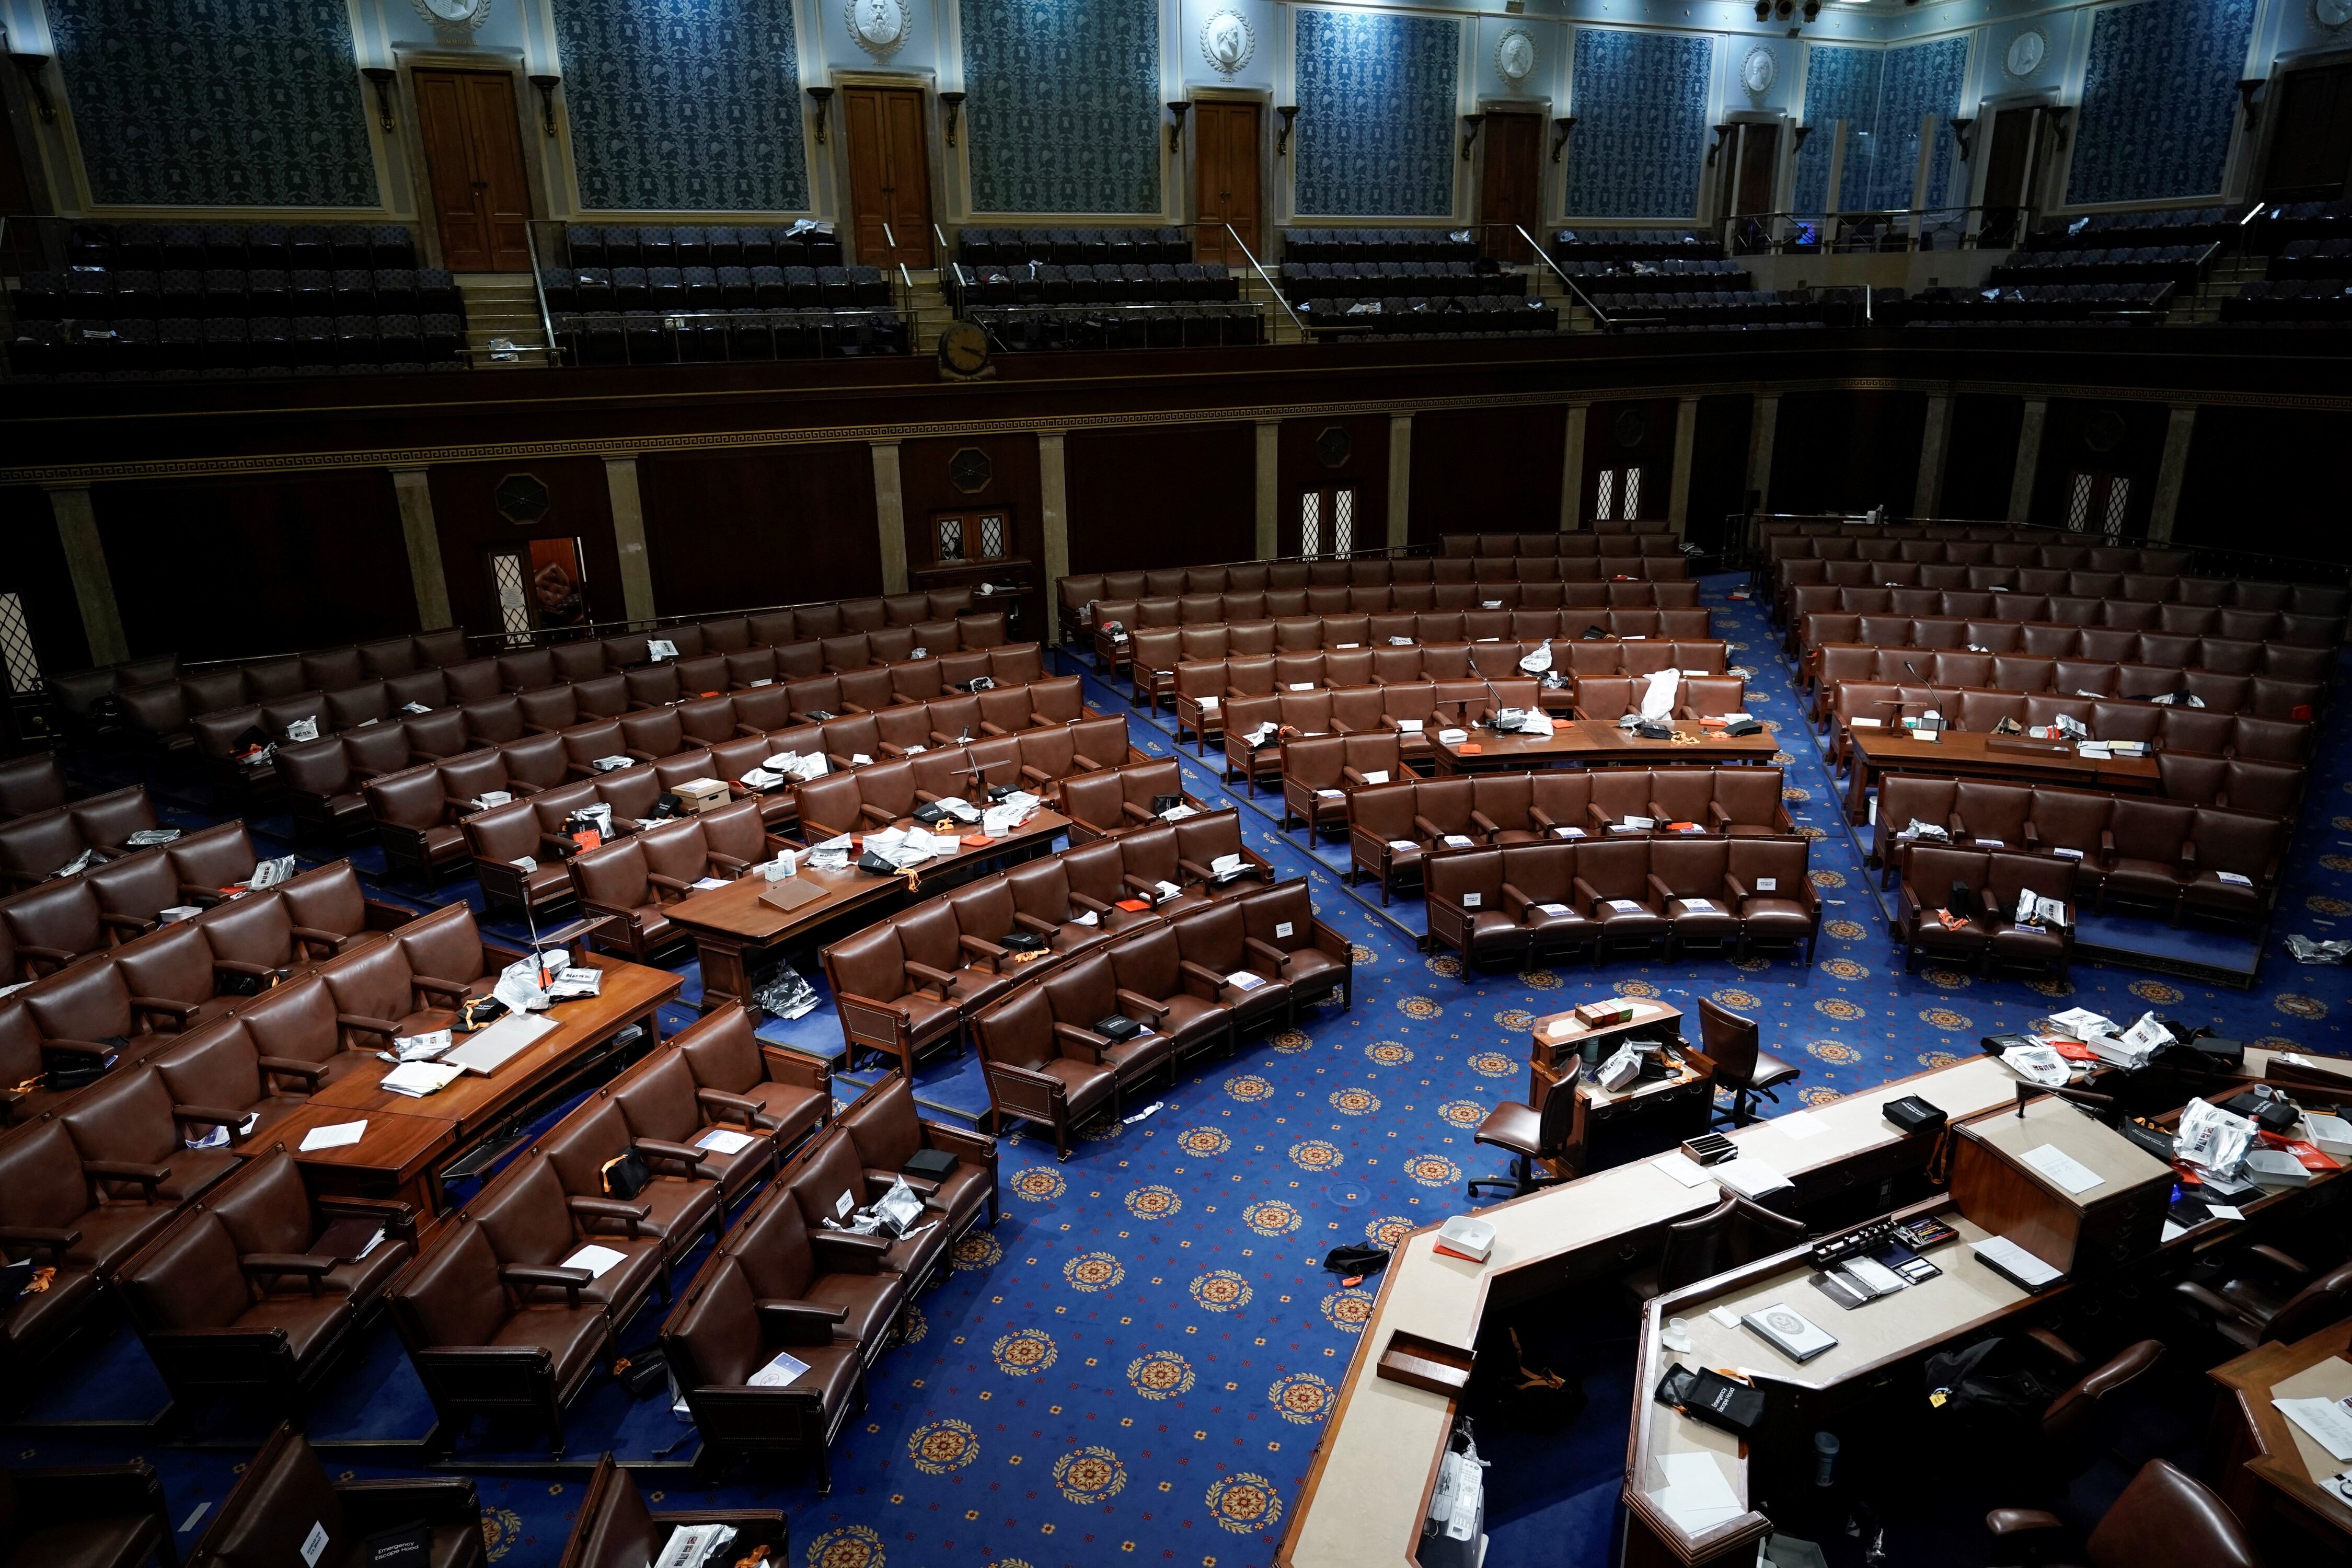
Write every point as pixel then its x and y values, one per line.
pixel 215 571
pixel 1300 466
pixel 1635 433
pixel 580 504
pixel 1162 497
pixel 2311 147
pixel 1487 470
pixel 34 565
pixel 2268 480
pixel 776 525
pixel 1509 174
pixel 1226 138
pixel 1012 486
pixel 1980 461
pixel 2102 439
pixel 1719 483
pixel 1848 451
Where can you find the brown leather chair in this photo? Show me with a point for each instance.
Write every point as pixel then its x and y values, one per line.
pixel 740 1081
pixel 1555 1133
pixel 323 789
pixel 56 923
pixel 130 1140
pixel 2069 1425
pixel 176 980
pixel 1088 990
pixel 614 1529
pixel 1688 879
pixel 218 1077
pixel 534 1223
pixel 830 1184
pixel 501 836
pixel 677 1204
pixel 722 1334
pixel 284 1499
pixel 886 1130
pixel 1741 1065
pixel 414 823
pixel 1036 1074
pixel 886 1005
pixel 1777 902
pixel 1928 876
pixel 2236 864
pixel 482 1339
pixel 1172 996
pixel 1468 911
pixel 2049 945
pixel 1383 841
pixel 1201 842
pixel 1734 1232
pixel 2165 1518
pixel 660 1101
pixel 615 879
pixel 1214 945
pixel 330 913
pixel 1539 893
pixel 30 783
pixel 1314 783
pixel 1279 925
pixel 1613 889
pixel 58 1208
pixel 785 1257
pixel 932 945
pixel 1045 903
pixel 235 1295
pixel 2148 854
pixel 105 1516
pixel 2263 1295
pixel 297 1033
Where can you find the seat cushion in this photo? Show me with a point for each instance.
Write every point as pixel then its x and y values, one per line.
pixel 572 1338
pixel 1773 915
pixel 1771 1071
pixel 1512 1126
pixel 308 1321
pixel 681 1208
pixel 868 1298
pixel 2026 943
pixel 119 1543
pixel 926 1015
pixel 789 1109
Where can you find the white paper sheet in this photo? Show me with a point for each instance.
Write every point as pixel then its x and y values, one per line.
pixel 596 1260
pixel 2063 1168
pixel 335 1135
pixel 1697 1497
pixel 2326 1420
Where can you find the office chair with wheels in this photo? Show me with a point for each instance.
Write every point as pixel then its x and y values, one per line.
pixel 2266 1297
pixel 2165 1518
pixel 1555 1133
pixel 1740 1064
pixel 1732 1233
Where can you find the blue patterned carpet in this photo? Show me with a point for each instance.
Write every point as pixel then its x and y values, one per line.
pixel 1138 1361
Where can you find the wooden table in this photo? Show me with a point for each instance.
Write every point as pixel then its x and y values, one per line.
pixel 399 1156
pixel 734 930
pixel 1973 754
pixel 1594 742
pixel 1644 1117
pixel 2266 1467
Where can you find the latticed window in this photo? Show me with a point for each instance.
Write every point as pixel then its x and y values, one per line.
pixel 2102 501
pixel 1343 523
pixel 1604 507
pixel 514 599
pixel 951 539
pixel 2078 504
pixel 17 647
pixel 1310 523
pixel 2118 503
pixel 991 536
pixel 1611 481
pixel 1633 494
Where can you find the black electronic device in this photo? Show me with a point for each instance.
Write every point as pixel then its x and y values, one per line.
pixel 1862 1239
pixel 1915 1115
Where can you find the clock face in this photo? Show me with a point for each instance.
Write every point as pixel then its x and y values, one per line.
pixel 2331 13
pixel 1515 56
pixel 1759 71
pixel 2025 53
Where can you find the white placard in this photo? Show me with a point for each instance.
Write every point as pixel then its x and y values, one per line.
pixel 335 1135
pixel 598 1261
pixel 724 1141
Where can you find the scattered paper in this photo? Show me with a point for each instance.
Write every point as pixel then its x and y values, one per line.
pixel 2063 1168
pixel 335 1135
pixel 1697 1497
pixel 597 1260
pixel 2326 1421
pixel 780 1372
pixel 724 1141
pixel 1801 1126
pixel 1682 1168
pixel 2015 1262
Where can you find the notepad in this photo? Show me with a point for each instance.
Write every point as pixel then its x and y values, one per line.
pixel 417 1079
pixel 335 1135
pixel 597 1260
pixel 780 1372
pixel 1695 1496
pixel 2326 1420
pixel 1790 1332
pixel 2005 1257
pixel 724 1141
pixel 2063 1168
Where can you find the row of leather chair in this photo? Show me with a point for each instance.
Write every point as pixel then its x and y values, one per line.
pixel 30 783
pixel 629 878
pixel 1286 606
pixel 2164 854
pixel 888 793
pixel 2303 607
pixel 1110 802
pixel 494 1317
pixel 2206 647
pixel 2049 820
pixel 1394 828
pixel 322 779
pixel 913 982
pixel 52 923
pixel 1987 931
pixel 1978 711
pixel 780 1280
pixel 1537 903
pixel 1191 670
pixel 1982 611
pixel 1213 968
pixel 2017 546
pixel 2213 692
pixel 37 846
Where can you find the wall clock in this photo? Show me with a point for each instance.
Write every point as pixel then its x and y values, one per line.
pixel 2331 14
pixel 1227 42
pixel 1759 71
pixel 878 26
pixel 2026 53
pixel 454 13
pixel 1515 56
pixel 963 353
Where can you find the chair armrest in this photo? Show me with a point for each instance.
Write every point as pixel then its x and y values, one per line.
pixel 1032 924
pixel 164 1005
pixel 1150 890
pixel 1427 828
pixel 1515 899
pixel 1088 902
pixel 1193 868
pixel 797 1069
pixel 800 1322
pixel 54 1240
pixel 717 1101
pixel 1204 974
pixel 2293 1268
pixel 1541 818
pixel 211 1116
pixel 930 976
pixel 133 925
pixel 149 1177
pixel 2211 1300
pixel 437 986
pixel 367 1026
pixel 609 1208
pixel 1267 950
pixel 2006 1524
pixel 373 1506
pixel 728 864
pixel 1659 891
pixel 569 1280
pixel 988 949
pixel 238 966
pixel 270 1264
pixel 78 1047
pixel 1155 1009
pixel 1738 888
pixel 662 1149
pixel 882 1180
pixel 1044 1093
pixel 2049 1341
pixel 850 1253
pixel 1073 1041
pixel 1484 824
pixel 875 815
pixel 669 884
pixel 1717 816
pixel 1586 893
pixel 1134 813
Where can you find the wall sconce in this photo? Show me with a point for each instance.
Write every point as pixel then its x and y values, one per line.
pixel 382 77
pixel 823 98
pixel 1722 134
pixel 547 86
pixel 33 66
pixel 1176 129
pixel 1561 129
pixel 1960 134
pixel 953 103
pixel 1289 112
pixel 2247 92
pixel 1470 126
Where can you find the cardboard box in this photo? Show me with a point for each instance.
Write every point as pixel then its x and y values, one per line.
pixel 1600 1014
pixel 701 795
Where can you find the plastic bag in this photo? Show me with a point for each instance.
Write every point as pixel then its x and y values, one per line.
pixel 783 993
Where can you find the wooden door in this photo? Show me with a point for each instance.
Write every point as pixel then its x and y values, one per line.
pixel 473 156
pixel 1508 183
pixel 2006 167
pixel 2311 147
pixel 889 178
pixel 1760 162
pixel 1224 179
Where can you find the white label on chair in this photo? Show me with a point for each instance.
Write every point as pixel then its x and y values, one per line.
pixel 1554 908
pixel 1349 644
pixel 1636 639
pixel 1768 884
pixel 1409 726
pixel 1863 724
pixel 2068 854
pixel 843 1204
pixel 1302 686
pixel 859 759
pixel 1331 794
pixel 1208 705
pixel 1641 822
pixel 1625 906
pixel 1379 776
pixel 1394 843
pixel 1693 672
pixel 1699 906
pixel 1570 832
pixel 314 1545
pixel 1282 930
pixel 2235 879
pixel 1457 841
pixel 1472 900
pixel 1991 844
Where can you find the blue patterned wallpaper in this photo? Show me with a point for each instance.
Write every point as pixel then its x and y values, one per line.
pixel 1841 83
pixel 1921 80
pixel 2159 100
pixel 1640 101
pixel 1376 127
pixel 1065 111
pixel 683 106
pixel 214 103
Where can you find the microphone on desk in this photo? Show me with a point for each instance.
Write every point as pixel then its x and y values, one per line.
pixel 2089 1099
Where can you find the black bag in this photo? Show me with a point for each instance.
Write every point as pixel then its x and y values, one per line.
pixel 627 1175
pixel 931 1164
pixel 977 683
pixel 931 812
pixel 647 1373
pixel 1713 1399
pixel 874 864
pixel 1743 727
pixel 1987 1381
pixel 667 804
pixel 1165 803
pixel 1355 1260
pixel 1962 901
pixel 477 1011
pixel 820 714
pixel 1650 730
pixel 1022 941
pixel 234 983
pixel 1117 1028
pixel 15 1278
pixel 403 1546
